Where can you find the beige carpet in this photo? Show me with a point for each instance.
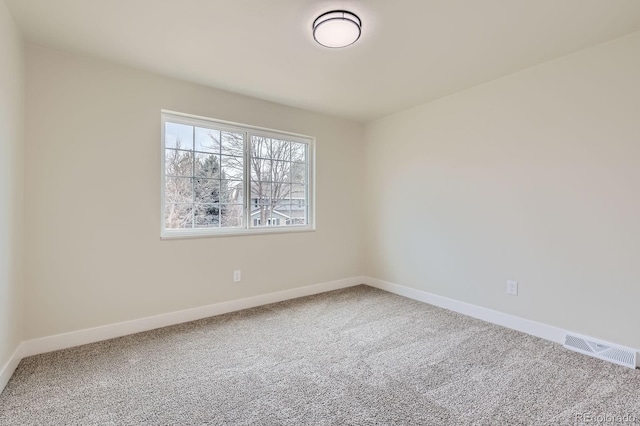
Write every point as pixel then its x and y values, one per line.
pixel 358 356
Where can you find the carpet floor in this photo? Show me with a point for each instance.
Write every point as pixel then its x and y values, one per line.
pixel 358 356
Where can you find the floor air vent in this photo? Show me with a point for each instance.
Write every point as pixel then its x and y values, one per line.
pixel 606 351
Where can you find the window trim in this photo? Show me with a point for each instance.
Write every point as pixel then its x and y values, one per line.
pixel 247 130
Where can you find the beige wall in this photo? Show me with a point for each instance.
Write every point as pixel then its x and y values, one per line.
pixel 93 200
pixel 534 177
pixel 11 184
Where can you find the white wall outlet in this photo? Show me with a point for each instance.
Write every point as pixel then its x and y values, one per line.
pixel 237 276
pixel 512 287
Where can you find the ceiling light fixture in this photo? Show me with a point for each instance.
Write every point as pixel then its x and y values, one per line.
pixel 337 28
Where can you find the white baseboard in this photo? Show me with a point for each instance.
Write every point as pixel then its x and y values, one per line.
pixel 91 335
pixel 533 328
pixel 10 367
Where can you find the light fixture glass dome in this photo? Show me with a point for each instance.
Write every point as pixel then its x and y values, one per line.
pixel 337 28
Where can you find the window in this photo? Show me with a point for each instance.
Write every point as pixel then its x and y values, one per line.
pixel 220 178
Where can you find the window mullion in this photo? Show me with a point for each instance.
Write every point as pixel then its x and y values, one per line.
pixel 220 182
pixel 247 179
pixel 193 178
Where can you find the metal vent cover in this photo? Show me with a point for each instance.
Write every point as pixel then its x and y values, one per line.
pixel 602 350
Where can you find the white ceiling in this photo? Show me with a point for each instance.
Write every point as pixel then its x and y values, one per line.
pixel 411 51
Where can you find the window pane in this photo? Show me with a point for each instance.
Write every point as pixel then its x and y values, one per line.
pixel 232 143
pixel 207 165
pixel 207 216
pixel 260 147
pixel 178 136
pixel 178 163
pixel 178 190
pixel 261 191
pixel 232 167
pixel 298 192
pixel 280 171
pixel 207 140
pixel 231 191
pixel 262 214
pixel 178 216
pixel 282 210
pixel 280 150
pixel 207 191
pixel 298 211
pixel 298 172
pixel 282 205
pixel 298 152
pixel 280 191
pixel 298 205
pixel 231 215
pixel 283 164
pixel 260 169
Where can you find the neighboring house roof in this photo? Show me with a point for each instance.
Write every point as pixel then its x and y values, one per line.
pixel 277 213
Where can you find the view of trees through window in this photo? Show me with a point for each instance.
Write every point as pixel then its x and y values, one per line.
pixel 278 181
pixel 205 179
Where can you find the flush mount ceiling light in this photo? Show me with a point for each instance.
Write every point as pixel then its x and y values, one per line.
pixel 337 28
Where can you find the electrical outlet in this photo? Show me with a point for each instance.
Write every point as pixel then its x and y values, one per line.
pixel 512 287
pixel 237 276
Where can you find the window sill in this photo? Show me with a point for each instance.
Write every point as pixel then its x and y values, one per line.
pixel 183 233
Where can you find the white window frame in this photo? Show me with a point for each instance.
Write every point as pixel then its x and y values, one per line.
pixel 247 131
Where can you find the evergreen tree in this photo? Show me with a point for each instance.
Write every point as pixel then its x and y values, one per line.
pixel 209 191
